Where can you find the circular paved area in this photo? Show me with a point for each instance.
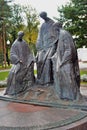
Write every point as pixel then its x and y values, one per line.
pixel 30 117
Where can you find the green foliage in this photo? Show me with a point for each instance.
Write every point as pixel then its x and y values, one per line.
pixel 5 15
pixel 31 29
pixel 5 10
pixel 24 18
pixel 16 18
pixel 74 18
pixel 32 23
pixel 16 21
pixel 32 47
pixel 1 58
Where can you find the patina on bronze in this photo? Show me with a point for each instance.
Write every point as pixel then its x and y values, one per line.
pixel 21 76
pixel 58 75
pixel 66 68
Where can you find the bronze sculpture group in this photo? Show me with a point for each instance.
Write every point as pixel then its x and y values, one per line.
pixel 57 62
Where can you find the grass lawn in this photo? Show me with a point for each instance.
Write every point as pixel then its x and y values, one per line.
pixel 3 75
pixel 83 72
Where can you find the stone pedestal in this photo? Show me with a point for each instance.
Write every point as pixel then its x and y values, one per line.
pixel 42 111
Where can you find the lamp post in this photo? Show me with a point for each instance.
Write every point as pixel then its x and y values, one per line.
pixel 7 57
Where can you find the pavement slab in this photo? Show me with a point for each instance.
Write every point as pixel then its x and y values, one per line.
pixel 16 114
pixel 33 117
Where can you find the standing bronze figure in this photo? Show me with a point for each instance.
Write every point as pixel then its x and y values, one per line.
pixel 45 50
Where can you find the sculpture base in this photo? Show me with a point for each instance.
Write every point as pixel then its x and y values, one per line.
pixel 16 116
pixel 46 96
pixel 38 109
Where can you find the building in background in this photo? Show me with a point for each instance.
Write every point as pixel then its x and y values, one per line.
pixel 82 54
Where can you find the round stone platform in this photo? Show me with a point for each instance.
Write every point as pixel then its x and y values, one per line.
pixel 27 114
pixel 18 116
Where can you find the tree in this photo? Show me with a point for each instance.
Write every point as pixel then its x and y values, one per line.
pixel 24 18
pixel 16 21
pixel 74 17
pixel 5 14
pixel 32 22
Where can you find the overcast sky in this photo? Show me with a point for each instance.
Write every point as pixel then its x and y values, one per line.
pixel 50 6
